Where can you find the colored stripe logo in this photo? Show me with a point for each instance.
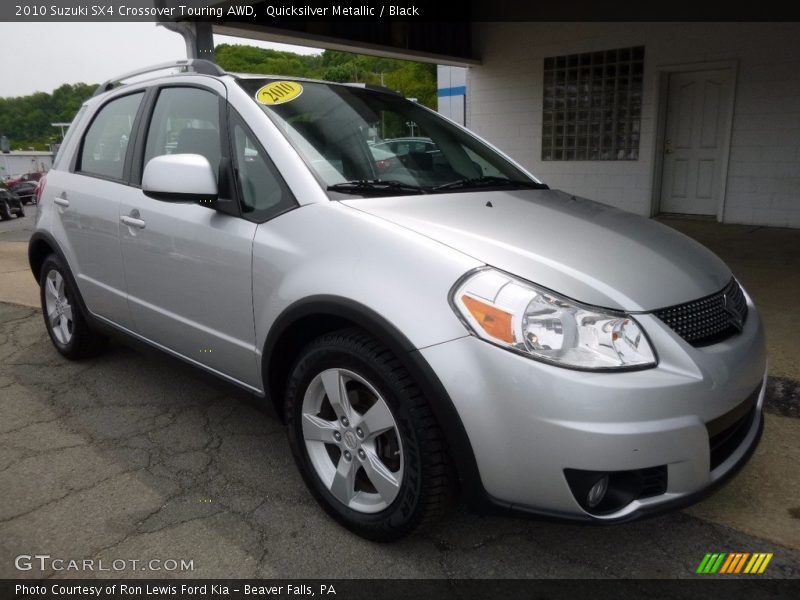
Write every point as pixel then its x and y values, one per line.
pixel 734 563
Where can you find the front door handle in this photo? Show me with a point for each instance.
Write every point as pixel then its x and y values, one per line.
pixel 61 201
pixel 132 222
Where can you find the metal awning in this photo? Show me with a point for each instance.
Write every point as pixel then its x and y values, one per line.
pixel 441 42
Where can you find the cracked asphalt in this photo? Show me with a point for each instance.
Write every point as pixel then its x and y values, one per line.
pixel 131 456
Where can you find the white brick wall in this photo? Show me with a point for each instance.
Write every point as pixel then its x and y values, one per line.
pixel 451 107
pixel 504 104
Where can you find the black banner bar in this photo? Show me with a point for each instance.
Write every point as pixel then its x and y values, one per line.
pixel 707 588
pixel 265 12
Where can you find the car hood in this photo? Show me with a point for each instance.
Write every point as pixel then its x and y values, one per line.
pixel 582 249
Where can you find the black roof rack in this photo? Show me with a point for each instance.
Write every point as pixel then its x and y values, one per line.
pixel 196 65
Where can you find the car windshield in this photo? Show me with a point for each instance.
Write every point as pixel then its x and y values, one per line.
pixel 374 143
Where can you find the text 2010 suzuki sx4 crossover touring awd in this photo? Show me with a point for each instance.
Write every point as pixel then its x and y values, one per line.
pixel 428 317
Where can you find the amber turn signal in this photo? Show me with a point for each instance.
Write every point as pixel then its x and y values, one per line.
pixel 495 322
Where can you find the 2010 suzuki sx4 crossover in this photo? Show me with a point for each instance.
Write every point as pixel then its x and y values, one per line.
pixel 428 317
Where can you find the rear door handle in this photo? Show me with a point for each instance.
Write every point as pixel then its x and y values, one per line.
pixel 61 201
pixel 132 222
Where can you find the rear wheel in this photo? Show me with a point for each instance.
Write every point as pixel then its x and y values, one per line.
pixel 364 437
pixel 66 324
pixel 21 211
pixel 5 210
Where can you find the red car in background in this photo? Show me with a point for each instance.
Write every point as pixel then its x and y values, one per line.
pixel 33 176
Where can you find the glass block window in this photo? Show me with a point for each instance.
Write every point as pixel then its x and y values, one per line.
pixel 593 105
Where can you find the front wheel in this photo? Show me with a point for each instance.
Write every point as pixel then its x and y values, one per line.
pixel 5 210
pixel 364 437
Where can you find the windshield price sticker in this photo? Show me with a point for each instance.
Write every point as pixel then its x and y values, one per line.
pixel 278 92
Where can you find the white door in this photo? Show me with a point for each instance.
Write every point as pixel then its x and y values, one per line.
pixel 698 106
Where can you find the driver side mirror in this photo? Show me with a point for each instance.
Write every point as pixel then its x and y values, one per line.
pixel 180 178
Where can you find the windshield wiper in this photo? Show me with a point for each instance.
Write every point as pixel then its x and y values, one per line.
pixel 375 186
pixel 488 181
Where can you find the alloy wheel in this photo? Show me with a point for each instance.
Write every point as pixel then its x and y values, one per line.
pixel 352 440
pixel 59 308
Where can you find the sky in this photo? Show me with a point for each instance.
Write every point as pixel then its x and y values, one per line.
pixel 42 56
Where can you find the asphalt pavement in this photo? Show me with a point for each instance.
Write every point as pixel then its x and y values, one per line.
pixel 131 457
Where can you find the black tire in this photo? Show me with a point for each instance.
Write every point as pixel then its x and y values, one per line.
pixel 5 210
pixel 82 342
pixel 21 211
pixel 427 485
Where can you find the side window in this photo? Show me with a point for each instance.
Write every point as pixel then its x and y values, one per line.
pixel 185 121
pixel 264 194
pixel 106 141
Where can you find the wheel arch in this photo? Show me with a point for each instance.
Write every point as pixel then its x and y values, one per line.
pixel 39 247
pixel 311 317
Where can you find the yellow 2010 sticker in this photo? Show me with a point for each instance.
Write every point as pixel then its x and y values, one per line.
pixel 278 92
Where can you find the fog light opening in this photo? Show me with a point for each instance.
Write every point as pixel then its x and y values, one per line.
pixel 606 492
pixel 597 492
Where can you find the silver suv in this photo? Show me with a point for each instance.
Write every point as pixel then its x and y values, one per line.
pixel 428 322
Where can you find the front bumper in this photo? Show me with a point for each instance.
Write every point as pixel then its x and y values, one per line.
pixel 528 421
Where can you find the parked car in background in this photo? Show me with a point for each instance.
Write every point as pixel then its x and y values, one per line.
pixel 384 159
pixel 32 176
pixel 418 153
pixel 10 204
pixel 401 146
pixel 26 190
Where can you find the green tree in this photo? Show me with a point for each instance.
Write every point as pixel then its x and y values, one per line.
pixel 411 79
pixel 26 120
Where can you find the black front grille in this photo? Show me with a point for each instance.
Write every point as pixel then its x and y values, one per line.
pixel 726 433
pixel 709 320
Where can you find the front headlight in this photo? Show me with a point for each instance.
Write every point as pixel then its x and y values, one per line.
pixel 536 322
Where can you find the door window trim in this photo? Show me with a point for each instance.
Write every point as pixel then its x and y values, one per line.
pixel 225 186
pixel 137 166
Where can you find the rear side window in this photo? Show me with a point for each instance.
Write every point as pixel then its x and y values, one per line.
pixel 185 121
pixel 106 141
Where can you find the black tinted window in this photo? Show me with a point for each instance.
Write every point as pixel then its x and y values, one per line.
pixel 349 134
pixel 106 141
